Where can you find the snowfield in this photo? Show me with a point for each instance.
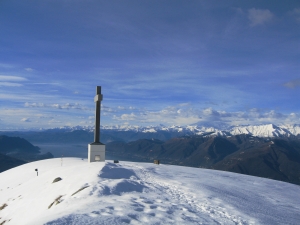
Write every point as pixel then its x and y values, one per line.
pixel 141 193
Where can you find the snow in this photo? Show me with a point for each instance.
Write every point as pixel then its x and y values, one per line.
pixel 266 130
pixel 150 130
pixel 293 129
pixel 141 193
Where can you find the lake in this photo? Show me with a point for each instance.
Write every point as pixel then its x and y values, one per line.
pixel 66 150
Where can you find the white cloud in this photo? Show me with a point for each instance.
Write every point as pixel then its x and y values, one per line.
pixel 296 13
pixel 54 121
pixel 126 108
pixel 29 69
pixel 69 106
pixel 107 109
pixel 210 112
pixel 57 84
pixel 207 117
pixel 127 117
pixel 274 115
pixel 184 104
pixel 259 16
pixel 43 116
pixel 34 104
pixel 10 96
pixel 25 120
pixel 292 83
pixel 172 115
pixel 7 66
pixel 10 84
pixel 56 106
pixel 11 78
pixel 169 115
pixel 11 81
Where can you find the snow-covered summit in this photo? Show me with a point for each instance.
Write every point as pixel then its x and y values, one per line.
pixel 266 130
pixel 140 193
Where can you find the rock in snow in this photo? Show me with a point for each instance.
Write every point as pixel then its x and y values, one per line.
pixel 141 193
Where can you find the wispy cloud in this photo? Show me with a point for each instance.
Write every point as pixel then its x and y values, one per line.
pixel 198 52
pixel 12 97
pixel 292 84
pixel 206 117
pixel 54 121
pixel 10 84
pixel 25 120
pixel 259 16
pixel 29 69
pixel 57 106
pixel 58 84
pixel 11 78
pixel 169 115
pixel 296 14
pixel 6 66
pixel 11 81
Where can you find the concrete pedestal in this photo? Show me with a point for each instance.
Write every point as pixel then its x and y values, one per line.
pixel 96 152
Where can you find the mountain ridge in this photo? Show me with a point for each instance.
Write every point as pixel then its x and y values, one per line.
pixel 264 130
pixel 275 158
pixel 129 133
pixel 15 151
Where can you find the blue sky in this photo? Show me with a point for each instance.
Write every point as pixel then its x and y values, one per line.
pixel 214 63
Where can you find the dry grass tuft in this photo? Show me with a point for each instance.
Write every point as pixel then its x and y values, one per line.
pixel 56 201
pixel 56 180
pixel 3 206
pixel 79 190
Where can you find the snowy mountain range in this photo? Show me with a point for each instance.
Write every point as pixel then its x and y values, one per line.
pixel 267 130
pixel 72 191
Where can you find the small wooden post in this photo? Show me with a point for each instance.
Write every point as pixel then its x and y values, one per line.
pixel 156 161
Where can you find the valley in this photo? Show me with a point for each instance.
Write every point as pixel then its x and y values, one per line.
pixel 266 151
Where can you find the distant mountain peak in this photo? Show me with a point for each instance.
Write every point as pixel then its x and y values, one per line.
pixel 264 130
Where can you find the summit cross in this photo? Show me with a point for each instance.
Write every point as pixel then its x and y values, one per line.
pixel 96 150
pixel 98 98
